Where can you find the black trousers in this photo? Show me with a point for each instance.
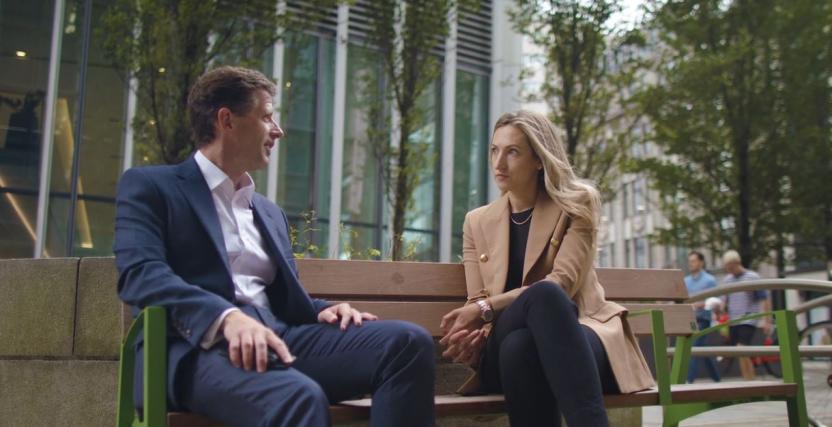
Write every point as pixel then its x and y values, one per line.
pixel 546 363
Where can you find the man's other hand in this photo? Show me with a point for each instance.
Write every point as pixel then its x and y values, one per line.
pixel 249 342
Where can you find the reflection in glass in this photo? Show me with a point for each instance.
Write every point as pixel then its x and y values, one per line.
pixel 365 206
pixel 99 147
pixel 362 199
pixel 641 252
pixel 471 136
pixel 304 153
pixel 422 219
pixel 25 34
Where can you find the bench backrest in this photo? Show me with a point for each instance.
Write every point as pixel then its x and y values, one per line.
pixel 423 292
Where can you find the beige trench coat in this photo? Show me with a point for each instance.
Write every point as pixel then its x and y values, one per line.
pixel 558 250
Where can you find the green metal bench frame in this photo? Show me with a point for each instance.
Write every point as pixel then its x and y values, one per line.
pixel 786 325
pixel 151 322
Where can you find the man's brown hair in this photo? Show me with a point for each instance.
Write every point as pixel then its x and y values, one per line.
pixel 230 87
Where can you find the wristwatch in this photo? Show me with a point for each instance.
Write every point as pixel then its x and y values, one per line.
pixel 486 313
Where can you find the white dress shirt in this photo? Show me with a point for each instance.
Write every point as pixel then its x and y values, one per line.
pixel 251 268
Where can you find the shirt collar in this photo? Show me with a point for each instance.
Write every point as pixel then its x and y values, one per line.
pixel 215 177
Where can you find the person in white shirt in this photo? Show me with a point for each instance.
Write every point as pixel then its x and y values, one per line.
pixel 247 346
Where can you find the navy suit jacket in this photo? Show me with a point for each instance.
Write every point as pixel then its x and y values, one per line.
pixel 170 252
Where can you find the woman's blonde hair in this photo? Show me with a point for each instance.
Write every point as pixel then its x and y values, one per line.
pixel 577 197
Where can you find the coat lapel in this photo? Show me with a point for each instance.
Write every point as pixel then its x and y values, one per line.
pixel 494 226
pixel 193 186
pixel 544 219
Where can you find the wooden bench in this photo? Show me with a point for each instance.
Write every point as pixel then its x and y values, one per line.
pixel 423 292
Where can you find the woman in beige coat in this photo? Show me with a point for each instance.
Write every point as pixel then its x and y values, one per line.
pixel 536 325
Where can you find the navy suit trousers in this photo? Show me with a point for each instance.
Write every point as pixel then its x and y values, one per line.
pixel 393 360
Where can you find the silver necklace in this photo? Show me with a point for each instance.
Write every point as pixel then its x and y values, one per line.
pixel 531 211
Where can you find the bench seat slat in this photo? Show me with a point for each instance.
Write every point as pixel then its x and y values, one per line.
pixel 452 405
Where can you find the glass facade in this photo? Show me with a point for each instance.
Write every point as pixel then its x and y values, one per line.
pixel 25 29
pixel 305 152
pixel 422 219
pixel 362 191
pixel 471 139
pixel 91 137
pixel 87 147
pixel 642 253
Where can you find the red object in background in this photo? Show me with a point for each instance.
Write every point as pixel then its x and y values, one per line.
pixel 764 359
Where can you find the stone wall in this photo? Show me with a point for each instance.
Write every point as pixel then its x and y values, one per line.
pixel 58 342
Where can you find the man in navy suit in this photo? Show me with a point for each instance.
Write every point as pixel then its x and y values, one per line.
pixel 247 345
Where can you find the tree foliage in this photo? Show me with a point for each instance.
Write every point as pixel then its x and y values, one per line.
pixel 408 35
pixel 165 45
pixel 724 109
pixel 591 72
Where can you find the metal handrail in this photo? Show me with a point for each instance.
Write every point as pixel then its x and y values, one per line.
pixel 822 286
pixel 814 303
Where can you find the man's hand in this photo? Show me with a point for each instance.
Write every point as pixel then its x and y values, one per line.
pixel 249 342
pixel 346 313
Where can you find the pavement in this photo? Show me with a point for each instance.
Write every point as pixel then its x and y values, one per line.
pixel 764 414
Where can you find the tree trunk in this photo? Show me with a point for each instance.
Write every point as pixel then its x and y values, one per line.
pixel 403 190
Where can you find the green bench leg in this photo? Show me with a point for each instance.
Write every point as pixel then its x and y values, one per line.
pixel 151 322
pixel 791 365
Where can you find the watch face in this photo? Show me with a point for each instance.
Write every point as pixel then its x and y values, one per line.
pixel 488 315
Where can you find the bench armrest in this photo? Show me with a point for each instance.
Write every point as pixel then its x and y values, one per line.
pixel 152 324
pixel 787 338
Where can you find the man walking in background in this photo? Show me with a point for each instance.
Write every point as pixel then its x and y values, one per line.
pixel 740 304
pixel 696 281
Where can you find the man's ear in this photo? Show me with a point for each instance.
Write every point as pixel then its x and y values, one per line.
pixel 224 121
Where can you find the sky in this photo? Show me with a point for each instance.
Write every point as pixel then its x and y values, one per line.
pixel 630 12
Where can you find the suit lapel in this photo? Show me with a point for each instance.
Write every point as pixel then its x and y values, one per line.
pixel 196 191
pixel 544 219
pixel 268 230
pixel 289 301
pixel 494 226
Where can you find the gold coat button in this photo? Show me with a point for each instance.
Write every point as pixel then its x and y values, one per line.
pixel 483 258
pixel 554 241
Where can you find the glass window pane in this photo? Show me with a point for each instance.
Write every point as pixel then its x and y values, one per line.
pixel 420 246
pixel 362 199
pixel 305 153
pixel 297 147
pixel 359 242
pixel 65 142
pixel 641 252
pixel 628 258
pixel 94 103
pixel 101 150
pixel 25 36
pixel 471 136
